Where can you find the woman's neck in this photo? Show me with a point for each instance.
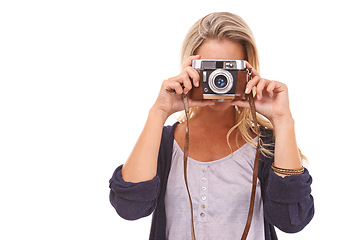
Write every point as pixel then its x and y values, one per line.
pixel 218 119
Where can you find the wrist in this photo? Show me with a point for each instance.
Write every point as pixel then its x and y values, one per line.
pixel 284 119
pixel 285 122
pixel 286 151
pixel 158 113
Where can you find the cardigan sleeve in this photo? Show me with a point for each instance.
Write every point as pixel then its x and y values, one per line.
pixel 136 200
pixel 289 204
pixel 133 200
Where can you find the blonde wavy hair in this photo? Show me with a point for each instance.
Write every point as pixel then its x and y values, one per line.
pixel 224 25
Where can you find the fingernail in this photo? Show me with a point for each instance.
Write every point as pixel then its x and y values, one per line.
pixel 258 97
pixel 196 84
pixel 247 90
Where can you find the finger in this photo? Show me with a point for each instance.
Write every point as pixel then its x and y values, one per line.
pixel 188 61
pixel 173 86
pixel 252 83
pixel 194 75
pixel 260 87
pixel 253 70
pixel 184 78
pixel 270 88
pixel 201 103
pixel 280 87
pixel 239 103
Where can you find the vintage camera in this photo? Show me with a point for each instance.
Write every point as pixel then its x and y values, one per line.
pixel 220 79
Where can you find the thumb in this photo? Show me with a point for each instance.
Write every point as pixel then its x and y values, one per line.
pixel 243 104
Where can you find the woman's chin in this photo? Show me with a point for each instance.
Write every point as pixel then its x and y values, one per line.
pixel 221 106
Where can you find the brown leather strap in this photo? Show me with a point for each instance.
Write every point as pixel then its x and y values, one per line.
pixel 255 171
pixel 186 153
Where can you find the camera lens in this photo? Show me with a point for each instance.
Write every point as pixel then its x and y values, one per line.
pixel 220 81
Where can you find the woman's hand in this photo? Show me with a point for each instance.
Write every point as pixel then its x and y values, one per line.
pixel 170 100
pixel 272 99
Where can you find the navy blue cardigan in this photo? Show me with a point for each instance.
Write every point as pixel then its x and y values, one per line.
pixel 288 204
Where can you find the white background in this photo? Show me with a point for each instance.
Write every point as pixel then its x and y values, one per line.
pixel 78 78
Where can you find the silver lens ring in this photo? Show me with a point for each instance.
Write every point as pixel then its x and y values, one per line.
pixel 229 83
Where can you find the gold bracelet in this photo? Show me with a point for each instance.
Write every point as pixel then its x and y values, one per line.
pixel 289 172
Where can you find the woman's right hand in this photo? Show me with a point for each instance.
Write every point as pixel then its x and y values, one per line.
pixel 170 100
pixel 142 163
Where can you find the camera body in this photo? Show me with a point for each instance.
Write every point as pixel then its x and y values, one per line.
pixel 220 79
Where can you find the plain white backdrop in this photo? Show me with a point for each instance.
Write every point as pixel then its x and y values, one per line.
pixel 78 78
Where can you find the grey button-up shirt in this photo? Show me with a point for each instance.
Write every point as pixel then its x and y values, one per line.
pixel 220 192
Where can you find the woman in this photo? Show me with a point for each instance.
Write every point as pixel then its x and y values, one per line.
pixel 221 153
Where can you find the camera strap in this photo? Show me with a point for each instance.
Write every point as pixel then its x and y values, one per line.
pixel 186 154
pixel 255 170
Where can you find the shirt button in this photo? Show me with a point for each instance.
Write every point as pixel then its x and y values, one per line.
pixel 203 179
pixel 202 214
pixel 203 188
pixel 202 206
pixel 204 169
pixel 203 197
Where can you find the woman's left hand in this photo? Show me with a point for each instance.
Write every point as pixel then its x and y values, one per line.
pixel 271 100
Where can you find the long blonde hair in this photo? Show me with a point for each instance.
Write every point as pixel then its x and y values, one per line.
pixel 224 25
